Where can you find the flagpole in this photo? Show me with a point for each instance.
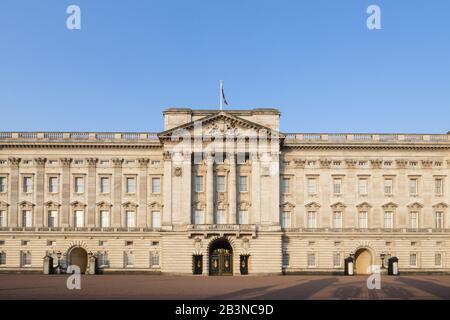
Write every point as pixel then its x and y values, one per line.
pixel 220 94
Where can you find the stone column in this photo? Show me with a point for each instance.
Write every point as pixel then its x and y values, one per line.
pixel 232 188
pixel 210 188
pixel 256 190
pixel 116 220
pixel 186 205
pixel 92 191
pixel 65 202
pixel 143 187
pixel 40 189
pixel 167 186
pixel 14 200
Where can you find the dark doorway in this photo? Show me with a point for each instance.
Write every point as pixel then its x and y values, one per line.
pixel 198 264
pixel 220 258
pixel 244 264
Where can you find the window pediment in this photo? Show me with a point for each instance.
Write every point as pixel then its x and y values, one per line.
pixel 338 206
pixel 4 205
pixel 364 206
pixel 441 205
pixel 78 205
pixel 312 206
pixel 244 205
pixel 130 205
pixel 199 205
pixel 104 204
pixel 390 206
pixel 155 205
pixel 26 205
pixel 288 206
pixel 415 205
pixel 52 205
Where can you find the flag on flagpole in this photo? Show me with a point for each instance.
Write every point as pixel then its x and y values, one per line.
pixel 223 99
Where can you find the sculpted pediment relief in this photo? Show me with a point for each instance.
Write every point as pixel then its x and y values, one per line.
pixel 222 125
pixel 390 206
pixel 312 206
pixel 415 205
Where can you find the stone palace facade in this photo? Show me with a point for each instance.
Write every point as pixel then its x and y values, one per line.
pixel 224 193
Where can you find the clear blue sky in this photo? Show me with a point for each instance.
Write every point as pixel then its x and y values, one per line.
pixel 315 60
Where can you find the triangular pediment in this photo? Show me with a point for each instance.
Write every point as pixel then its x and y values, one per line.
pixel 220 124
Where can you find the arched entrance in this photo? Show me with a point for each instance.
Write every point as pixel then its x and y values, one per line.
pixel 78 257
pixel 363 261
pixel 220 258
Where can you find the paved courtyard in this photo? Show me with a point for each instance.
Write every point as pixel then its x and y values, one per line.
pixel 196 288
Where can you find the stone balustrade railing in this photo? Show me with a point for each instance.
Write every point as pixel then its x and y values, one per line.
pixel 78 136
pixel 381 138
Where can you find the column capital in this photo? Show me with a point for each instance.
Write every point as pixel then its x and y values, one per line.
pixel 14 162
pixel 40 161
pixel 117 162
pixel 167 156
pixel 91 162
pixel 66 161
pixel 143 162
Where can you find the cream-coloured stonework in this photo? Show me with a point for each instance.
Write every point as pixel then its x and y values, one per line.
pixel 132 196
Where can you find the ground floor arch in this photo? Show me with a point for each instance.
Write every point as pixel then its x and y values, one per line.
pixel 363 261
pixel 220 258
pixel 78 256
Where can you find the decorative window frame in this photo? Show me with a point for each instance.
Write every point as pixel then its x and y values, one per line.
pixel 390 207
pixel 364 207
pixel 102 206
pixel 338 207
pixel 73 181
pixel 443 207
pixel 33 183
pixel 155 176
pixel 58 183
pixel 100 177
pixel 415 207
pixel 6 176
pixel 52 206
pixel 312 207
pixel 4 207
pixel 129 206
pixel 77 206
pixel 26 206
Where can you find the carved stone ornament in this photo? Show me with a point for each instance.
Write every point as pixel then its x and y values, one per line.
pixel 350 163
pixel 325 163
pixel 376 164
pixel 300 163
pixel 143 162
pixel 401 164
pixel 178 171
pixel 427 164
pixel 65 161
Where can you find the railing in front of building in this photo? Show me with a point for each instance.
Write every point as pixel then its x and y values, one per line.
pixel 72 229
pixel 382 138
pixel 79 136
pixel 365 230
pixel 222 227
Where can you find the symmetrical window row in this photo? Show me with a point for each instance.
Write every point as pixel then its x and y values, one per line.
pixel 337 188
pixel 220 217
pixel 362 219
pixel 220 183
pixel 53 184
pixel 129 259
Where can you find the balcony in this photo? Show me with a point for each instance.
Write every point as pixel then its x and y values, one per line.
pixel 222 229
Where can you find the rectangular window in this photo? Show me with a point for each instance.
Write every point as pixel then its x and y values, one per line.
pixel 199 217
pixel 156 219
pixel 131 185
pixel 285 220
pixel 53 184
pixel 130 219
pixel 413 220
pixel 103 259
pixel 53 219
pixel 2 258
pixel 439 186
pixel 413 187
pixel 388 220
pixel 104 185
pixel 337 219
pixel 27 184
pixel 198 183
pixel 413 259
pixel 3 219
pixel 26 259
pixel 337 186
pixel 388 186
pixel 312 186
pixel 337 260
pixel 79 219
pixel 154 259
pixel 438 259
pixel 220 217
pixel 79 184
pixel 311 220
pixel 363 187
pixel 3 184
pixel 243 184
pixel 221 184
pixel 285 259
pixel 285 186
pixel 129 259
pixel 363 220
pixel 104 219
pixel 311 259
pixel 439 217
pixel 27 219
pixel 243 217
pixel 156 185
